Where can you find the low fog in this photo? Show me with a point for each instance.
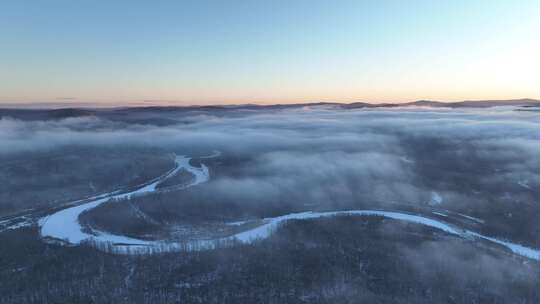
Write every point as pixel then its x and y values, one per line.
pixel 473 168
pixel 479 162
pixel 319 155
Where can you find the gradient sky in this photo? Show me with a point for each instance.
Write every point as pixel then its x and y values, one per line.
pixel 211 52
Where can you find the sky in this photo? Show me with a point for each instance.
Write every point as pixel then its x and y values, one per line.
pixel 223 52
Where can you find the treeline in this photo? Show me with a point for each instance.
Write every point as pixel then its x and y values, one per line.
pixel 331 260
pixel 35 181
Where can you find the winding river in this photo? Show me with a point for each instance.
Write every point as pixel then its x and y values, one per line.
pixel 64 225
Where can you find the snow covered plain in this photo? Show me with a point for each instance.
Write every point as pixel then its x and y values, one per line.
pixel 64 225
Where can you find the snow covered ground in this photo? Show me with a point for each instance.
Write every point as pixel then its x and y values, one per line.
pixel 64 225
pixel 440 213
pixel 474 219
pixel 15 223
pixel 270 226
pixel 436 199
pixel 524 184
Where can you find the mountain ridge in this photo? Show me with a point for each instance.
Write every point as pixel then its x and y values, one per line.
pixel 127 113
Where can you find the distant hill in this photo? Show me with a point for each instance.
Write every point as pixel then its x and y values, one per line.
pixel 458 104
pixel 477 103
pixel 165 115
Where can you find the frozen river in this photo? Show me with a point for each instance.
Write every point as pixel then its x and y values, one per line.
pixel 64 225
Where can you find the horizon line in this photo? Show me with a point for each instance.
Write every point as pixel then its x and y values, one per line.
pixel 163 103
